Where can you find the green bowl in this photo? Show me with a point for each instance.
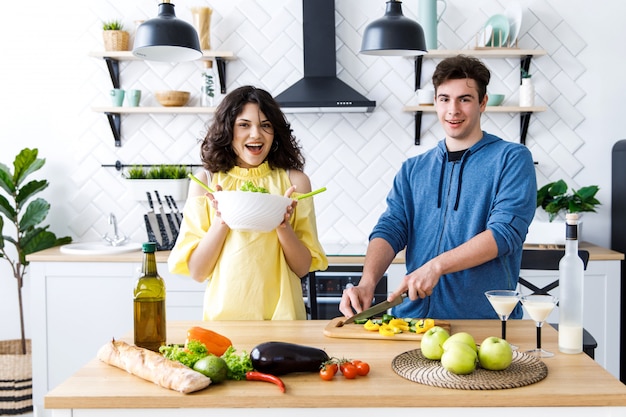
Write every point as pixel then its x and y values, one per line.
pixel 495 99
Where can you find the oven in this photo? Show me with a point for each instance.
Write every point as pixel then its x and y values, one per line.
pixel 327 287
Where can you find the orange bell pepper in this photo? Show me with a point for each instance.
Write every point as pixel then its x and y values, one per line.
pixel 214 342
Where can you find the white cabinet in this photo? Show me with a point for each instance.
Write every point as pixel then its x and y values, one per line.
pixel 79 306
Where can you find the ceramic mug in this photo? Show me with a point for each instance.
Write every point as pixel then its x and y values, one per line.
pixel 117 96
pixel 425 96
pixel 133 97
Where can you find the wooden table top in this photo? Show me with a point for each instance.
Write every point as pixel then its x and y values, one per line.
pixel 573 380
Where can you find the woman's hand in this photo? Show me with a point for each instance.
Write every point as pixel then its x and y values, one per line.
pixel 214 203
pixel 290 208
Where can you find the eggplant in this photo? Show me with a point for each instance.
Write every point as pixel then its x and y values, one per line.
pixel 279 358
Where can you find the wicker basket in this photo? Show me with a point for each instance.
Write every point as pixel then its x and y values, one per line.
pixel 115 40
pixel 16 373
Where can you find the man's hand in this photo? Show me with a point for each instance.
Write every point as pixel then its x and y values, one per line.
pixel 418 284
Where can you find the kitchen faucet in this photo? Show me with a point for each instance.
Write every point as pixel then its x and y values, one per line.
pixel 116 240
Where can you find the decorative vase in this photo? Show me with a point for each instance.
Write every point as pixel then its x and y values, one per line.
pixel 526 93
pixel 207 90
pixel 115 40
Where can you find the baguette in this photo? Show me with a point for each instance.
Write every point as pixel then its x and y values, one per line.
pixel 153 367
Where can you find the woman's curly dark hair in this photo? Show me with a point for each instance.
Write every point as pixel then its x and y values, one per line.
pixel 216 150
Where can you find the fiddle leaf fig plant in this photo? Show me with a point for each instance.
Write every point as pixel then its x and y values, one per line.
pixel 553 198
pixel 25 217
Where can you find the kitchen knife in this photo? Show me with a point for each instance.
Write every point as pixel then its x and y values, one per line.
pixel 164 218
pixel 154 223
pixel 171 216
pixel 374 310
pixel 179 215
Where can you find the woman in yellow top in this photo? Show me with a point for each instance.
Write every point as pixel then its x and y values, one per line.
pixel 251 275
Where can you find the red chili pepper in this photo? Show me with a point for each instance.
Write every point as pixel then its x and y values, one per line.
pixel 259 376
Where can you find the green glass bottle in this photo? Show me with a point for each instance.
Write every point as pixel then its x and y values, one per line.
pixel 149 303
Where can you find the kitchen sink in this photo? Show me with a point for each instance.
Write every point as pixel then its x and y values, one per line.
pixel 98 248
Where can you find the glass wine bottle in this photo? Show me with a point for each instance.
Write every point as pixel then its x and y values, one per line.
pixel 149 303
pixel 571 280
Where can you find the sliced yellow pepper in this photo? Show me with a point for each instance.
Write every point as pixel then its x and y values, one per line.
pixel 371 326
pixel 400 325
pixel 424 325
pixel 386 330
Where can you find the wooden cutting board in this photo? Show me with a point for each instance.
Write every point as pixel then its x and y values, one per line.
pixel 357 331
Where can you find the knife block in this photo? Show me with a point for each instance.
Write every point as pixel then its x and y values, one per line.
pixel 165 244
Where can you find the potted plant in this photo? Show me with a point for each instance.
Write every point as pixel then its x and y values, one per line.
pixel 114 35
pixel 166 179
pixel 555 201
pixel 553 198
pixel 28 237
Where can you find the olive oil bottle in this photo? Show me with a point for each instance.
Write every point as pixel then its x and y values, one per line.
pixel 149 303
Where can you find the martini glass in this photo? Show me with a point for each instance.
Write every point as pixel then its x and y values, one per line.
pixel 503 301
pixel 539 308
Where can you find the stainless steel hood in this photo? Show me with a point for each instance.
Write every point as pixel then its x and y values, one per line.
pixel 320 90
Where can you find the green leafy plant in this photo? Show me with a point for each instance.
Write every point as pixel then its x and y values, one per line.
pixel 158 172
pixel 112 25
pixel 553 198
pixel 136 172
pixel 25 217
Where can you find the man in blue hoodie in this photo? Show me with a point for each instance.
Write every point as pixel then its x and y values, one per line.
pixel 461 210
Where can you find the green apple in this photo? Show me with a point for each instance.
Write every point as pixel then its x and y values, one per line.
pixel 462 337
pixel 458 358
pixel 432 342
pixel 495 354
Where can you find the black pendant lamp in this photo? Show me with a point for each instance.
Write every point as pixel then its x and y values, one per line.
pixel 166 38
pixel 393 34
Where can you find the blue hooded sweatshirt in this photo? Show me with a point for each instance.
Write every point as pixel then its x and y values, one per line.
pixel 436 205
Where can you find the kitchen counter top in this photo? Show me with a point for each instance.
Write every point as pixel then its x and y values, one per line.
pixel 596 253
pixel 573 381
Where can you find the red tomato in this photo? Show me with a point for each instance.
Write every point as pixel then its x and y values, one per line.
pixel 348 370
pixel 326 373
pixel 362 368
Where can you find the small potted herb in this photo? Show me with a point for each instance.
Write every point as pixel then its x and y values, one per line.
pixel 114 36
pixel 166 179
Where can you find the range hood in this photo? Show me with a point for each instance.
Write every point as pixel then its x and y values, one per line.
pixel 320 90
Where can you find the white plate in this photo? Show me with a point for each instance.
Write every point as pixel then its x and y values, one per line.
pixel 514 14
pixel 500 26
pixel 485 36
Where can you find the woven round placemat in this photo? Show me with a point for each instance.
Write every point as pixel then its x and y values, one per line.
pixel 524 370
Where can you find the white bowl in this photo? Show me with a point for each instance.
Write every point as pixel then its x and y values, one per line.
pixel 251 212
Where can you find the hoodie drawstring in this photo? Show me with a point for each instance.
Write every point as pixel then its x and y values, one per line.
pixel 460 181
pixel 443 169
